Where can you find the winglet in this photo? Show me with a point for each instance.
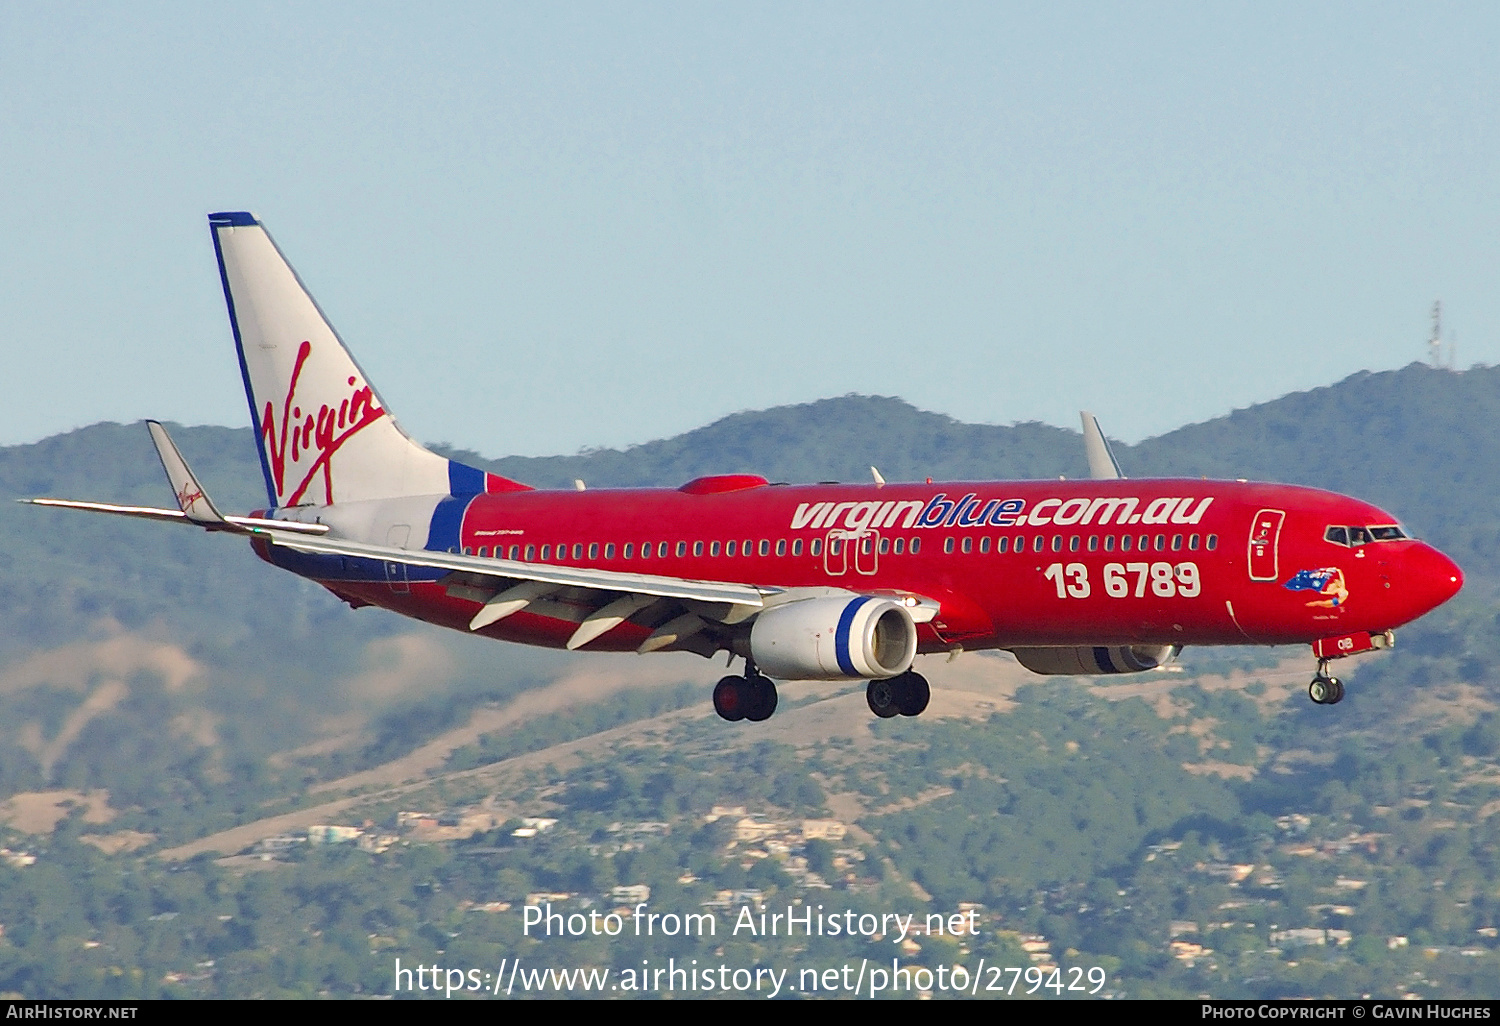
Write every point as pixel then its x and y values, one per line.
pixel 1102 463
pixel 191 498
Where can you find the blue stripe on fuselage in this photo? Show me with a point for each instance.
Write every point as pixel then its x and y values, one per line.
pixel 464 479
pixel 445 534
pixel 321 567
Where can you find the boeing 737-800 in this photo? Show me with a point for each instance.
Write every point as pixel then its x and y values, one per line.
pixel 826 582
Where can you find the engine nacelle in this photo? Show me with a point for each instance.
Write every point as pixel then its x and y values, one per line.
pixel 834 639
pixel 1088 660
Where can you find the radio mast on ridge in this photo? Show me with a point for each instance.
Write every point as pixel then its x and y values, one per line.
pixel 1435 341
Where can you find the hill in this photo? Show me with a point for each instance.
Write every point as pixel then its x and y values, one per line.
pixel 167 694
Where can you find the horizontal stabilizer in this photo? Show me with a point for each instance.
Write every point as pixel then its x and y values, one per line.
pixel 237 525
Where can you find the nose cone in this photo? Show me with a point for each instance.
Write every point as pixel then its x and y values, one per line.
pixel 1430 578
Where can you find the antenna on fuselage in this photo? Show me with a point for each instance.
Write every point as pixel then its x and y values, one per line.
pixel 1102 463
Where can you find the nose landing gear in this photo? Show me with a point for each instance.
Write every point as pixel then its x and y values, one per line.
pixel 751 697
pixel 1325 690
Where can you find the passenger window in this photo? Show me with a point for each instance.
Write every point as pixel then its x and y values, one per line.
pixel 780 546
pixel 697 548
pixel 947 544
pixel 1093 543
pixel 968 544
pixel 1073 543
pixel 916 546
pixel 1213 542
pixel 468 551
pixel 681 549
pixel 484 552
pixel 1176 542
pixel 1002 544
pixel 885 546
pixel 1038 544
pixel 593 550
pixel 546 549
pixel 729 548
pixel 661 550
pixel 1193 542
pixel 645 550
pixel 984 544
pixel 748 547
pixel 797 546
pixel 900 545
pixel 1109 543
pixel 531 553
pixel 628 552
pixel 836 546
pixel 765 547
pixel 578 550
pixel 1161 542
pixel 515 552
pixel 1125 542
pixel 817 547
pixel 1057 543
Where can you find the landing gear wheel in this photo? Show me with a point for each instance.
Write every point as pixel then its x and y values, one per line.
pixel 1326 690
pixel 1338 691
pixel 760 695
pixel 730 698
pixel 883 697
pixel 913 693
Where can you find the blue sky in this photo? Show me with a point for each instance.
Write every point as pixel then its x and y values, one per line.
pixel 548 227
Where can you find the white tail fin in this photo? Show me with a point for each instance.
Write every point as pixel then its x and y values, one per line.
pixel 323 432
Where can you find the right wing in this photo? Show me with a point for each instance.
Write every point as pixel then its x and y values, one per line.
pixel 1102 463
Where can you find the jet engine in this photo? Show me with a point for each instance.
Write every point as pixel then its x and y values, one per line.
pixel 1088 660
pixel 834 639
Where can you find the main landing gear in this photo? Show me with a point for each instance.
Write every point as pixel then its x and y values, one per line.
pixel 903 695
pixel 751 697
pixel 1325 690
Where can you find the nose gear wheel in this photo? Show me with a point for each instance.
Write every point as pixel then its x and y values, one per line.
pixel 1326 690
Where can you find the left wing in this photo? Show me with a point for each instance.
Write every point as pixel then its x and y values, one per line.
pixel 504 587
pixel 193 504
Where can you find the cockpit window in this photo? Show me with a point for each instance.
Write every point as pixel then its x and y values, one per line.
pixel 1364 535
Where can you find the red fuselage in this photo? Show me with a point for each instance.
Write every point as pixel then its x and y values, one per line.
pixel 1013 564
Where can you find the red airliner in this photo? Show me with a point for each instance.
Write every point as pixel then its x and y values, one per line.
pixel 805 582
